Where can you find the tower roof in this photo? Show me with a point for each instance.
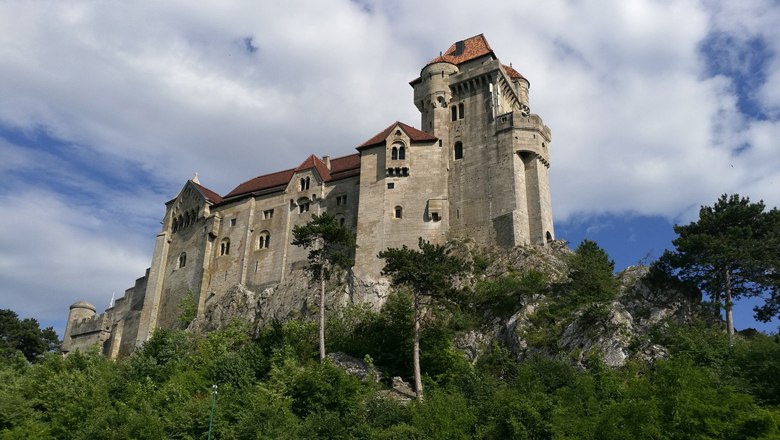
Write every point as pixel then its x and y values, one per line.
pixel 465 50
pixel 414 134
pixel 208 194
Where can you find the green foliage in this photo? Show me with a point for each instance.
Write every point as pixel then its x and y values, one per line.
pixel 503 296
pixel 732 249
pixel 24 336
pixel 188 307
pixel 592 275
pixel 427 272
pixel 330 245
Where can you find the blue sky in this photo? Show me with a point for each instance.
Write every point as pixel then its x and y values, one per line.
pixel 107 108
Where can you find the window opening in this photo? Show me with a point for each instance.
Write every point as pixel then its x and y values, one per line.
pixel 390 185
pixel 458 150
pixel 399 212
pixel 264 240
pixel 402 153
pixel 224 247
pixel 232 222
pixel 268 214
pixel 182 260
pixel 461 110
pixel 394 154
pixel 454 113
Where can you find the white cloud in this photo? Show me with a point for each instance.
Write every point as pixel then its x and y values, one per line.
pixel 145 93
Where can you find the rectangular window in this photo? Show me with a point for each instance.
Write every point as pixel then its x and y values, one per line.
pixel 232 222
pixel 390 185
pixel 341 200
pixel 268 214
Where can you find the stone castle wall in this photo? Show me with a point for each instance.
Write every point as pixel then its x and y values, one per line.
pixel 478 168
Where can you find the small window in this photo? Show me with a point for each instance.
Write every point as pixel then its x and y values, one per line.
pixel 268 214
pixel 182 260
pixel 303 205
pixel 390 185
pixel 305 182
pixel 399 212
pixel 461 110
pixel 342 221
pixel 402 153
pixel 454 111
pixel 232 222
pixel 341 200
pixel 394 153
pixel 435 216
pixel 458 150
pixel 549 237
pixel 224 247
pixel 264 240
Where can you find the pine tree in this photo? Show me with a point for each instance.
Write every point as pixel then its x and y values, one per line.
pixel 730 252
pixel 429 273
pixel 330 245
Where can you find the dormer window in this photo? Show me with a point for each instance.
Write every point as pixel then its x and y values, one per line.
pixel 305 183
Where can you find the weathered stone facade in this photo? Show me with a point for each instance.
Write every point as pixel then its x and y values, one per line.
pixel 477 168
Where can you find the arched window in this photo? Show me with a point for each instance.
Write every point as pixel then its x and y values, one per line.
pixel 175 225
pixel 549 237
pixel 454 111
pixel 305 182
pixel 303 205
pixel 399 212
pixel 264 240
pixel 394 153
pixel 224 247
pixel 402 153
pixel 461 110
pixel 182 260
pixel 458 150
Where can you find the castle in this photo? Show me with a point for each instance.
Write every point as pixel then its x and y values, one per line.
pixel 476 168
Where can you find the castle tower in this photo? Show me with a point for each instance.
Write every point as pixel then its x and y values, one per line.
pixel 79 311
pixel 498 189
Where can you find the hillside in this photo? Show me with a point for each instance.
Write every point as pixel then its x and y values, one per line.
pixel 533 343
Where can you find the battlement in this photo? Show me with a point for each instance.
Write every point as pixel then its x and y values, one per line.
pixel 511 120
pixel 95 324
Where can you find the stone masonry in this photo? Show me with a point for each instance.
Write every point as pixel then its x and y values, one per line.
pixel 477 168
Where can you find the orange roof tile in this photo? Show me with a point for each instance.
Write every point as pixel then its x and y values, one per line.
pixel 345 163
pixel 341 167
pixel 208 194
pixel 465 50
pixel 414 134
pixel 314 162
pixel 266 181
pixel 512 72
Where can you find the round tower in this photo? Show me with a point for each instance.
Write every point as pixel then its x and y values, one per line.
pixel 432 97
pixel 78 311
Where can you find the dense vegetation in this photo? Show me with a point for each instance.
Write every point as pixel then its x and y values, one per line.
pixel 271 384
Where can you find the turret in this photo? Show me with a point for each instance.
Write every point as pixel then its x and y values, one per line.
pixel 78 311
pixel 432 97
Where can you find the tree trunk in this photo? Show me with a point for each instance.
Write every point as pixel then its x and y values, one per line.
pixel 416 350
pixel 322 313
pixel 727 300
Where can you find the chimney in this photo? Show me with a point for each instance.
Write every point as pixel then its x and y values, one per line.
pixel 326 160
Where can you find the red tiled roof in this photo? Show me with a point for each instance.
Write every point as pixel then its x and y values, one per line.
pixel 267 181
pixel 414 134
pixel 314 162
pixel 512 72
pixel 345 163
pixel 341 167
pixel 210 195
pixel 465 50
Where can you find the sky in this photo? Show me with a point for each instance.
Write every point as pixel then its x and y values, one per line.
pixel 107 108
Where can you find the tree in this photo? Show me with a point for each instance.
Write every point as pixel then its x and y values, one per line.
pixel 592 274
pixel 330 246
pixel 427 273
pixel 730 252
pixel 24 336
